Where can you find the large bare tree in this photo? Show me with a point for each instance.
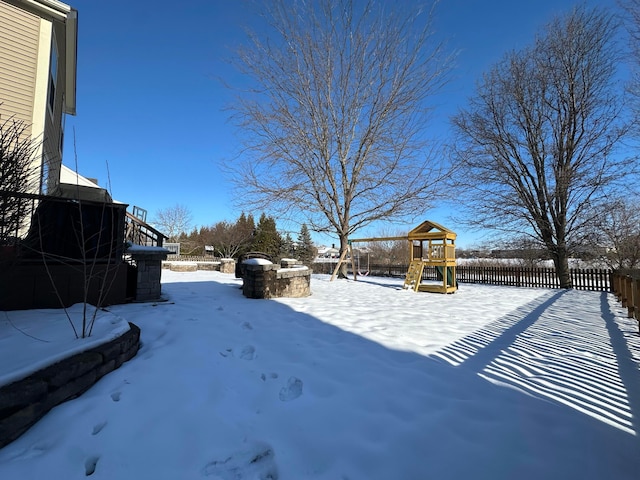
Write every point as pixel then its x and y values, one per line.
pixel 173 221
pixel 632 22
pixel 616 233
pixel 334 122
pixel 537 142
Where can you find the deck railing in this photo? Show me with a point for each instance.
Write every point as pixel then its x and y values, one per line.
pixel 62 229
pixel 141 233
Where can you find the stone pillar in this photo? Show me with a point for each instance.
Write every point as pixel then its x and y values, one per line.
pixel 258 280
pixel 227 265
pixel 149 264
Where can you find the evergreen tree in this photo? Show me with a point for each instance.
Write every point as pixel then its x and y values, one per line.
pixel 306 252
pixel 288 248
pixel 266 238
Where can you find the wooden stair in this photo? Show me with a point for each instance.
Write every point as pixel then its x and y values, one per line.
pixel 140 232
pixel 414 275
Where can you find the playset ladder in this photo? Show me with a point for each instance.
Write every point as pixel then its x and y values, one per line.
pixel 414 275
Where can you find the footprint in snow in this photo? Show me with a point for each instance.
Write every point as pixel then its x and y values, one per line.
pixel 256 462
pixel 292 391
pixel 248 353
pixel 97 428
pixel 90 465
pixel 272 375
pixel 115 396
pixel 247 326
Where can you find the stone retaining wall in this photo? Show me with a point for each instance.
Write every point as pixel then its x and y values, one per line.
pixel 24 402
pixel 223 266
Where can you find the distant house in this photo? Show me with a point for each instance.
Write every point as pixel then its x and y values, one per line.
pixel 38 55
pixel 328 252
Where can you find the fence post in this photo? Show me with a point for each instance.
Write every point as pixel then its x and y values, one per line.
pixel 636 301
pixel 633 297
pixel 626 290
pixel 616 285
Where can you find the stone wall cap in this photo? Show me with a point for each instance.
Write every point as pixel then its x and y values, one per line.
pixel 257 261
pixel 290 263
pixel 255 267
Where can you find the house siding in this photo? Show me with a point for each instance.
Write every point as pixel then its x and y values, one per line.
pixel 19 44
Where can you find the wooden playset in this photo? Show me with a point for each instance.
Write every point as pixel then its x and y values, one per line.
pixel 430 245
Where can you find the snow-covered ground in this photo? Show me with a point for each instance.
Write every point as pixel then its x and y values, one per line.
pixel 362 380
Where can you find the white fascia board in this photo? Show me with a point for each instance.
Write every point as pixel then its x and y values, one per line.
pixel 52 9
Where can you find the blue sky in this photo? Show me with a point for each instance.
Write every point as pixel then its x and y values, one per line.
pixel 150 104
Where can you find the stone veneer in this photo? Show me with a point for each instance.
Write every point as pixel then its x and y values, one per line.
pixel 24 402
pixel 149 264
pixel 272 281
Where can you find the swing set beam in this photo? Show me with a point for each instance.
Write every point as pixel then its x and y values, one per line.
pixel 377 239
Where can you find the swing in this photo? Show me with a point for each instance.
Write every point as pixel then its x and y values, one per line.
pixel 367 272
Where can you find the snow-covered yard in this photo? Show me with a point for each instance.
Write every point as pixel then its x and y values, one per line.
pixel 359 381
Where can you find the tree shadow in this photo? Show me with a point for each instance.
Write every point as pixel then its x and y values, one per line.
pixel 548 354
pixel 627 366
pixel 529 396
pixel 563 389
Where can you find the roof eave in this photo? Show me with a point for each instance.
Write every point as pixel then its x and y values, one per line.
pixel 50 9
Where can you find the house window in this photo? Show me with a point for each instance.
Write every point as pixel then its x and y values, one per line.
pixel 62 125
pixel 44 176
pixel 53 75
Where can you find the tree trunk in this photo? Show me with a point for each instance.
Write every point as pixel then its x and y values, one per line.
pixel 561 262
pixel 344 245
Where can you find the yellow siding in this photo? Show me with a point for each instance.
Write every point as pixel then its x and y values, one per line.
pixel 19 34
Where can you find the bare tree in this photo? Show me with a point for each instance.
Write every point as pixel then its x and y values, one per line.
pixel 173 221
pixel 389 253
pixel 18 176
pixel 228 239
pixel 616 235
pixel 632 8
pixel 536 144
pixel 334 125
